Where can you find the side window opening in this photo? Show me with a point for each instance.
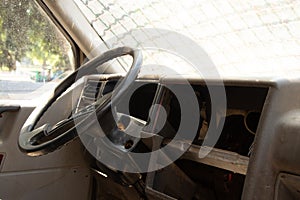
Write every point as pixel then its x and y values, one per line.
pixel 33 53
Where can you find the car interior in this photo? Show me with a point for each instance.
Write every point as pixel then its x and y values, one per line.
pixel 126 120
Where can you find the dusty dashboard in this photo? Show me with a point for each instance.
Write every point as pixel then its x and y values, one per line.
pixel 220 174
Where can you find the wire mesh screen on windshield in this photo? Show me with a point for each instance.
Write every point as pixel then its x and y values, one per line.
pixel 241 36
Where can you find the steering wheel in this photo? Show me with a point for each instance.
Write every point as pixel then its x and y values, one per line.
pixel 46 138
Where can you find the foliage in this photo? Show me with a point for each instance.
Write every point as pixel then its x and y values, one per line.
pixel 26 33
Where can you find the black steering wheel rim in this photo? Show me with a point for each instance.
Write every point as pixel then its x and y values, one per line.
pixel 28 134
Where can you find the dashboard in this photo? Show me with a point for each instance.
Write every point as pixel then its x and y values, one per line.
pixel 216 168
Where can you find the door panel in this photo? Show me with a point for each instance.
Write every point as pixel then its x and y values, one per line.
pixel 55 183
pixel 55 175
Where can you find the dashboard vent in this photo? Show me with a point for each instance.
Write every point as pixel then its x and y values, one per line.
pixel 91 90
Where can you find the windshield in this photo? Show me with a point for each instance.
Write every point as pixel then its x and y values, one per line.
pixel 256 38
